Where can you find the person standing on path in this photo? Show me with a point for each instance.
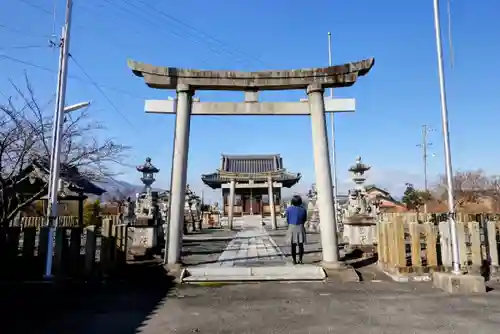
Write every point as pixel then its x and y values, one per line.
pixel 296 217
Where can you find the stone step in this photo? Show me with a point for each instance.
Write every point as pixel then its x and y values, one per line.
pixel 266 273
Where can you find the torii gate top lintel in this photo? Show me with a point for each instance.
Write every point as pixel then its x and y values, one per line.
pixel 328 77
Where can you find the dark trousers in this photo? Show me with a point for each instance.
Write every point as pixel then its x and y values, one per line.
pixel 294 252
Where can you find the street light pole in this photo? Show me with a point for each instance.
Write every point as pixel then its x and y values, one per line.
pixel 446 135
pixel 332 125
pixel 57 136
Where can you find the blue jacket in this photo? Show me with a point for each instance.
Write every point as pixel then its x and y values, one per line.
pixel 296 215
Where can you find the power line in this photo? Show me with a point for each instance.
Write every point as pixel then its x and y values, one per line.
pixel 161 26
pixel 196 40
pixel 89 80
pixel 102 92
pixel 16 60
pixel 23 32
pixel 22 47
pixel 37 7
pixel 27 63
pixel 224 46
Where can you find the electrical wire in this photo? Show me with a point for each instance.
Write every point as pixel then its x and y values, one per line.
pixel 70 76
pixel 94 83
pixel 160 26
pixel 22 47
pixel 16 60
pixel 23 32
pixel 202 38
pixel 207 36
pixel 37 7
pixel 192 31
pixel 88 80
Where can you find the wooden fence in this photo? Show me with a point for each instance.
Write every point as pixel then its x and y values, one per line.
pixel 78 251
pixel 63 221
pixel 38 222
pixel 409 245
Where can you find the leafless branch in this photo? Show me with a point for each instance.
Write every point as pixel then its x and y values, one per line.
pixel 26 136
pixel 470 187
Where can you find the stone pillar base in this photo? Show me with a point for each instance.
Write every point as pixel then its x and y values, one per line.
pixel 452 283
pixel 333 265
pixel 340 271
pixel 175 270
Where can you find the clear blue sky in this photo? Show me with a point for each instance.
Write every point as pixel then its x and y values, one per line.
pixel 393 101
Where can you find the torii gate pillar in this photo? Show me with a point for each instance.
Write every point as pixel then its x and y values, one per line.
pixel 179 173
pixel 321 153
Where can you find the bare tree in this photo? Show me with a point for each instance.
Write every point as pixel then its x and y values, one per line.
pixel 25 138
pixel 468 187
pixel 494 192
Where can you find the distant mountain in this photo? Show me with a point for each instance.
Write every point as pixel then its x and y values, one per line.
pixel 119 189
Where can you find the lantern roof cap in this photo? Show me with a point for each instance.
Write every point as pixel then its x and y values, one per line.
pixel 147 167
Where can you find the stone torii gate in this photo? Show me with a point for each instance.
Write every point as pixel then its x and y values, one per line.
pixel 314 81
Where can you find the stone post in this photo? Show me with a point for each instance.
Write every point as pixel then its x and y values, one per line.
pixel 324 187
pixel 272 208
pixel 179 173
pixel 230 213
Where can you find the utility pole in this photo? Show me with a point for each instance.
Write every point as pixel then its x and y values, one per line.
pixel 447 151
pixel 332 125
pixel 424 146
pixel 55 158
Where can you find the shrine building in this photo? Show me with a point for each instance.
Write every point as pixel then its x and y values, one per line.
pixel 253 179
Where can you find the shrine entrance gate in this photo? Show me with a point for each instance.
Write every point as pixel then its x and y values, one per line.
pixel 314 81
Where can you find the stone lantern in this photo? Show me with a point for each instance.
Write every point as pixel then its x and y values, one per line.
pixel 148 172
pixel 360 213
pixel 146 231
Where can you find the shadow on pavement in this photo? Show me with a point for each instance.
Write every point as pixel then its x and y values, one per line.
pixel 116 306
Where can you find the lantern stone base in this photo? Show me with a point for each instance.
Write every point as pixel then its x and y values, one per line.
pixel 312 226
pixel 144 240
pixel 363 235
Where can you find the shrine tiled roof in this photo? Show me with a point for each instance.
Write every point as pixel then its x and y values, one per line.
pixel 251 167
pixel 251 163
pixel 215 180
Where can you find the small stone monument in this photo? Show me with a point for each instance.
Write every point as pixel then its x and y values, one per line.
pixel 360 213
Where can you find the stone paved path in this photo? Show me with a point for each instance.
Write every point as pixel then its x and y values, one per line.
pixel 252 246
pixel 252 255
